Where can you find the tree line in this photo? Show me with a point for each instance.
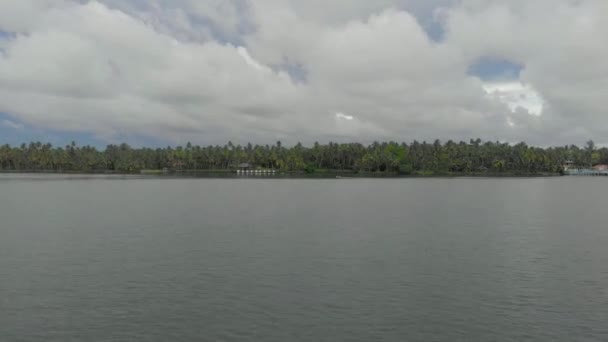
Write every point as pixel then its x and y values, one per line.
pixel 420 158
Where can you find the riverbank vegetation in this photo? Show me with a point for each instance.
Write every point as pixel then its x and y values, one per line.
pixel 417 158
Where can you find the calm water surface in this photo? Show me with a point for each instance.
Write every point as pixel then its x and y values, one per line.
pixel 149 259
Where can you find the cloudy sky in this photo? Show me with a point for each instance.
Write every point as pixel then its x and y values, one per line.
pixel 155 72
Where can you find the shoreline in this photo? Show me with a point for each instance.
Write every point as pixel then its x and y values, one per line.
pixel 281 175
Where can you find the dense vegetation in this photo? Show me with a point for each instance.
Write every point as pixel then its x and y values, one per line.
pixel 414 158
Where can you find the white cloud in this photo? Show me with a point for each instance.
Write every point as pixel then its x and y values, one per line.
pixel 10 124
pixel 344 116
pixel 516 95
pixel 211 71
pixel 250 61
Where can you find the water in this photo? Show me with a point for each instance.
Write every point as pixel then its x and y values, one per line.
pixel 149 259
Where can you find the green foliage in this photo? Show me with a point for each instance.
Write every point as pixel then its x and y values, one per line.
pixel 405 168
pixel 309 169
pixel 416 158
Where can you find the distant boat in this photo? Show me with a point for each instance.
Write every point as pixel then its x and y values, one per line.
pixel 342 177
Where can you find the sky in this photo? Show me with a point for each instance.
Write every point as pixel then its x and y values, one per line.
pixel 160 72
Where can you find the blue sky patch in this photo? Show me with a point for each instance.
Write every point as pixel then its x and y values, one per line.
pixel 296 71
pixel 495 69
pixel 434 30
pixel 14 132
pixel 4 34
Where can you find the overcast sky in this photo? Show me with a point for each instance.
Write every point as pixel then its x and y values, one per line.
pixel 208 71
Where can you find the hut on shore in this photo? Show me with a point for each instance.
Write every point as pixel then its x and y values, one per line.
pixel 244 166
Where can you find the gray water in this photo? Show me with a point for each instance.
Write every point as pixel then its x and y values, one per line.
pixel 150 259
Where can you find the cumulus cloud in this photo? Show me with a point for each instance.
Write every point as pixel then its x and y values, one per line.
pixel 516 95
pixel 210 71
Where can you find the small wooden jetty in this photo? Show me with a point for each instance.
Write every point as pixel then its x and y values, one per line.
pixel 585 172
pixel 246 169
pixel 571 169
